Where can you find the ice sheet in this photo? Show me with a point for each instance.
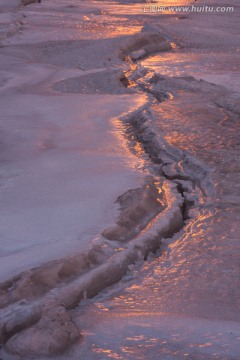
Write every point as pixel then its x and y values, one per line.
pixel 63 164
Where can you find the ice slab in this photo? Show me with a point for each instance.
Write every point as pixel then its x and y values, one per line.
pixel 63 164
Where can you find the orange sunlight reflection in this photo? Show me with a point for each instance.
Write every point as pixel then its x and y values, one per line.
pixel 135 162
pixel 136 9
pixel 108 353
pixel 172 63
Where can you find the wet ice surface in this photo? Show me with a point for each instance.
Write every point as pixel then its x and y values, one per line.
pixel 182 303
pixel 219 69
pixel 146 335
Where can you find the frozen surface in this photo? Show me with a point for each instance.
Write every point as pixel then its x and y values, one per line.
pixel 222 69
pixel 184 302
pixel 61 174
pixel 64 161
pixel 62 169
pixel 144 333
